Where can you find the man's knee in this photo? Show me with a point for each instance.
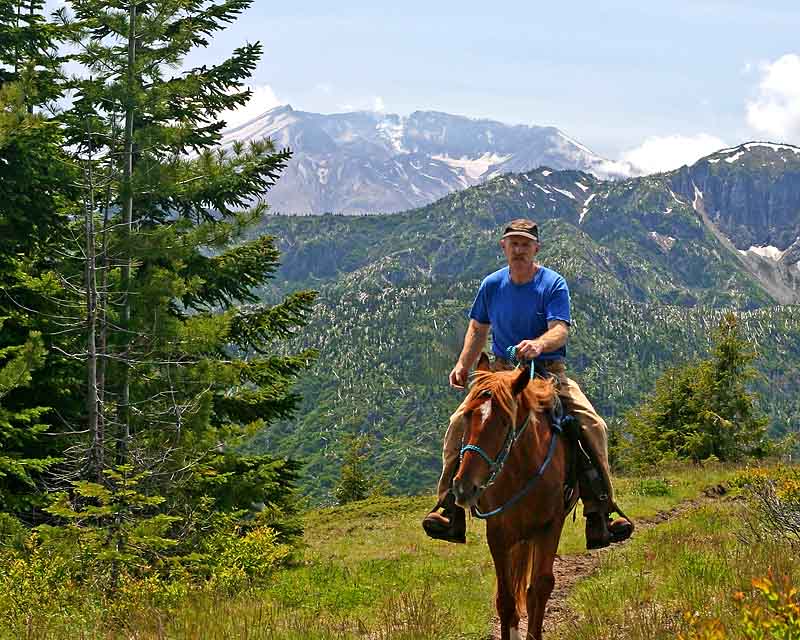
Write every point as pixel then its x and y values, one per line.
pixel 593 426
pixel 454 434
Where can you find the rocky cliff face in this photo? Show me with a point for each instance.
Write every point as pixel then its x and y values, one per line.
pixel 750 194
pixel 367 162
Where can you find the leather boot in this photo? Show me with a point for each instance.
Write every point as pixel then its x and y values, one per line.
pixel 450 524
pixel 620 529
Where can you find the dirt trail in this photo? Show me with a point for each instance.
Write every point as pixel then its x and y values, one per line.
pixel 568 570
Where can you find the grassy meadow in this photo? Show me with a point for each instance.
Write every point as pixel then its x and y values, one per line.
pixel 368 571
pixel 694 564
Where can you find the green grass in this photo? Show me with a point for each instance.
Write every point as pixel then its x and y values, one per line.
pixel 691 566
pixel 694 564
pixel 367 559
pixel 369 571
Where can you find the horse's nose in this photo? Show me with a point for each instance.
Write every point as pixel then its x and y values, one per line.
pixel 464 492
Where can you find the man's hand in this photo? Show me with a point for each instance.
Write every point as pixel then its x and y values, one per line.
pixel 458 376
pixel 528 350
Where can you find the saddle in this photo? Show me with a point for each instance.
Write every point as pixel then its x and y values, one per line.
pixel 583 477
pixel 584 481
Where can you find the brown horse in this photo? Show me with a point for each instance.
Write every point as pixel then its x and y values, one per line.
pixel 507 411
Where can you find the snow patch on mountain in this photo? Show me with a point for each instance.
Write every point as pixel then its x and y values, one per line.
pixel 766 251
pixel 586 208
pixel 366 162
pixel 267 125
pixel 733 154
pixel 698 196
pixel 734 157
pixel 564 192
pixel 768 145
pixel 392 131
pixel 473 167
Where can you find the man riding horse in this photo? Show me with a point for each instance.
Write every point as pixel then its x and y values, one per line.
pixel 527 308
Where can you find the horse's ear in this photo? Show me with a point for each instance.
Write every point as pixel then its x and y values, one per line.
pixel 483 363
pixel 521 381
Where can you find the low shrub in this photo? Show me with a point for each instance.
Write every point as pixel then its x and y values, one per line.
pixel 109 554
pixel 773 497
pixel 770 612
pixel 652 487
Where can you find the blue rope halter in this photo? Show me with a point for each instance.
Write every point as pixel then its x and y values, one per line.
pixel 513 435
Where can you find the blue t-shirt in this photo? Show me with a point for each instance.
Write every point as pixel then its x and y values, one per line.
pixel 519 312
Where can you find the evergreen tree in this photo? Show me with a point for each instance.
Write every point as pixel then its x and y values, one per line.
pixel 20 428
pixel 354 482
pixel 28 53
pixel 183 356
pixel 731 418
pixel 37 199
pixel 703 409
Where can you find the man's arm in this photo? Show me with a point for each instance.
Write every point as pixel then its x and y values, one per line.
pixel 474 340
pixel 554 338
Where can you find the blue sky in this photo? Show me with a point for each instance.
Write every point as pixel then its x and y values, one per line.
pixel 664 80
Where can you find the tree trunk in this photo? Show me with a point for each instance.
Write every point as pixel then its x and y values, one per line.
pixel 127 222
pixel 92 402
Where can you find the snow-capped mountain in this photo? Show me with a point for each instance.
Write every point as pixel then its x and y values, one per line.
pixel 369 162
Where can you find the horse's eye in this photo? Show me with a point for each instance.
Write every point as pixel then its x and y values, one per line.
pixel 486 394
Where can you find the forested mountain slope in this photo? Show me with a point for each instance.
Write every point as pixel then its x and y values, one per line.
pixel 652 263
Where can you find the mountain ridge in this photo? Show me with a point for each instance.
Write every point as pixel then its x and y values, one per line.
pixel 368 162
pixel 649 280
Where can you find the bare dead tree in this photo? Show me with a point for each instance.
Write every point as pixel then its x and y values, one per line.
pixel 96 435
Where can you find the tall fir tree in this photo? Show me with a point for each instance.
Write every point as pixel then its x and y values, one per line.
pixel 183 358
pixel 29 52
pixel 37 200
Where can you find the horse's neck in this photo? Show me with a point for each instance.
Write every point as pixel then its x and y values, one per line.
pixel 525 459
pixel 533 443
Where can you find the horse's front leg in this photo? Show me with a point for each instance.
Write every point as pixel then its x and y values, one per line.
pixel 543 580
pixel 505 602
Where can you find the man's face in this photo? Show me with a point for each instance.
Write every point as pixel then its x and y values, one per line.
pixel 519 250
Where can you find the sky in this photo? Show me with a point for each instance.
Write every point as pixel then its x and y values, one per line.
pixel 658 84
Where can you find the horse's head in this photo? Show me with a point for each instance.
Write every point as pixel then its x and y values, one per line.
pixel 497 404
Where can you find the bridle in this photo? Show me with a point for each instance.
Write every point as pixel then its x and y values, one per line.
pixel 496 464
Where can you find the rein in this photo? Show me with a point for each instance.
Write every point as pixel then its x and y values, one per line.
pixel 496 465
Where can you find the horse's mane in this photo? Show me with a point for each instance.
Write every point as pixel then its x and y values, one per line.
pixel 540 393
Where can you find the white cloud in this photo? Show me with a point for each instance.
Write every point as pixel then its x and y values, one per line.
pixel 262 100
pixel 775 112
pixel 374 103
pixel 664 153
